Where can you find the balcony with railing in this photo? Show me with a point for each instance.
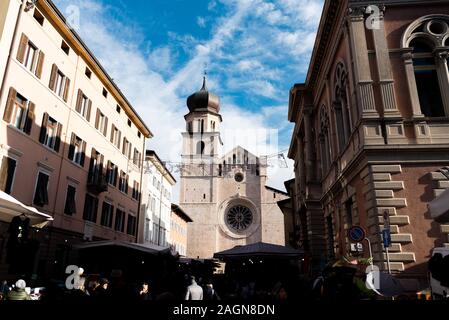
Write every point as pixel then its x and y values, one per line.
pixel 97 182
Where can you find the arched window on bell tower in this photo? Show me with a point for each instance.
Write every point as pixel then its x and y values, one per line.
pixel 200 146
pixel 189 127
pixel 202 127
pixel 212 149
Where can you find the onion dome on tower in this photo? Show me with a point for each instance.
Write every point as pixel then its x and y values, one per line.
pixel 204 100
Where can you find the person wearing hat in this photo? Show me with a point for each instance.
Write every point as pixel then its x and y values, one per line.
pixel 19 293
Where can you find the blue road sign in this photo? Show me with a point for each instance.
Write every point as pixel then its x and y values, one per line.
pixel 386 236
pixel 356 234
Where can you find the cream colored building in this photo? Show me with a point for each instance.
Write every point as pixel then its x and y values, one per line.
pixel 70 142
pixel 225 195
pixel 155 225
pixel 178 236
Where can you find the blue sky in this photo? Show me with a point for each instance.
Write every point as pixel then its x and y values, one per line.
pixel 156 50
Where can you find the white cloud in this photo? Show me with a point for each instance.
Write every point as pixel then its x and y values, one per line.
pixel 160 59
pixel 201 22
pixel 253 47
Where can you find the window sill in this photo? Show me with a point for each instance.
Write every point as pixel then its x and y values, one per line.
pixel 13 127
pixel 50 149
pixel 76 164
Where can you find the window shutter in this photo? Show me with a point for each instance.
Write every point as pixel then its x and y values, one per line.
pixel 126 183
pixel 112 133
pixel 89 107
pixel 10 105
pixel 40 64
pixel 58 137
pixel 43 133
pixel 119 139
pixel 3 173
pixel 22 48
pixel 79 99
pixel 30 118
pixel 115 175
pixel 45 189
pixel 66 89
pixel 108 169
pixel 71 200
pixel 95 210
pixel 124 146
pixel 105 130
pixel 54 71
pixel 93 155
pixel 83 153
pixel 72 147
pixel 101 164
pixel 97 119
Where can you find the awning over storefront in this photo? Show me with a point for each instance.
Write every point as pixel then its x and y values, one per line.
pixel 260 250
pixel 146 248
pixel 10 207
pixel 439 208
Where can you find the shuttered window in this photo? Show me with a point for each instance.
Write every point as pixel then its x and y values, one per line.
pixel 70 201
pixel 83 105
pixel 90 208
pixel 30 56
pixel 96 167
pixel 137 157
pixel 50 135
pixel 131 228
pixel 115 136
pixel 136 190
pixel 123 182
pixel 112 173
pixel 41 191
pixel 7 170
pixel 77 150
pixel 59 83
pixel 101 122
pixel 120 220
pixel 125 147
pixel 19 111
pixel 107 213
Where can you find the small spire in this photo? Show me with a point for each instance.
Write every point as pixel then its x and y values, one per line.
pixel 204 87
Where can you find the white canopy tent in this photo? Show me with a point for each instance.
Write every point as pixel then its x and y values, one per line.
pixel 10 207
pixel 439 208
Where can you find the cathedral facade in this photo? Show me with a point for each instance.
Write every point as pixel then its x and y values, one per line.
pixel 225 195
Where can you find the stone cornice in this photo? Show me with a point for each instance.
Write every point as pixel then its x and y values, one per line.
pixel 328 19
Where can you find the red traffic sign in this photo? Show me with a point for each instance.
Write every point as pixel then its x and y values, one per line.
pixel 356 234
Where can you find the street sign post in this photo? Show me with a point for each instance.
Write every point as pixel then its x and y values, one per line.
pixel 386 237
pixel 358 234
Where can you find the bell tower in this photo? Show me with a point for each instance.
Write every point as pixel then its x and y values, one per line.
pixel 201 140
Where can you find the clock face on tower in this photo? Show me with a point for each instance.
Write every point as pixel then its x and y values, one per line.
pixel 239 218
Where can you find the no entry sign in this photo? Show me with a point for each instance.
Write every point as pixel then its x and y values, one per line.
pixel 356 234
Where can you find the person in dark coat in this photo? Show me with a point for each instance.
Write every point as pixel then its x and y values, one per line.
pixel 101 292
pixel 210 294
pixel 144 292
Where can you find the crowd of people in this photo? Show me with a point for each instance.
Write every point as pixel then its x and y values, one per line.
pixel 101 289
